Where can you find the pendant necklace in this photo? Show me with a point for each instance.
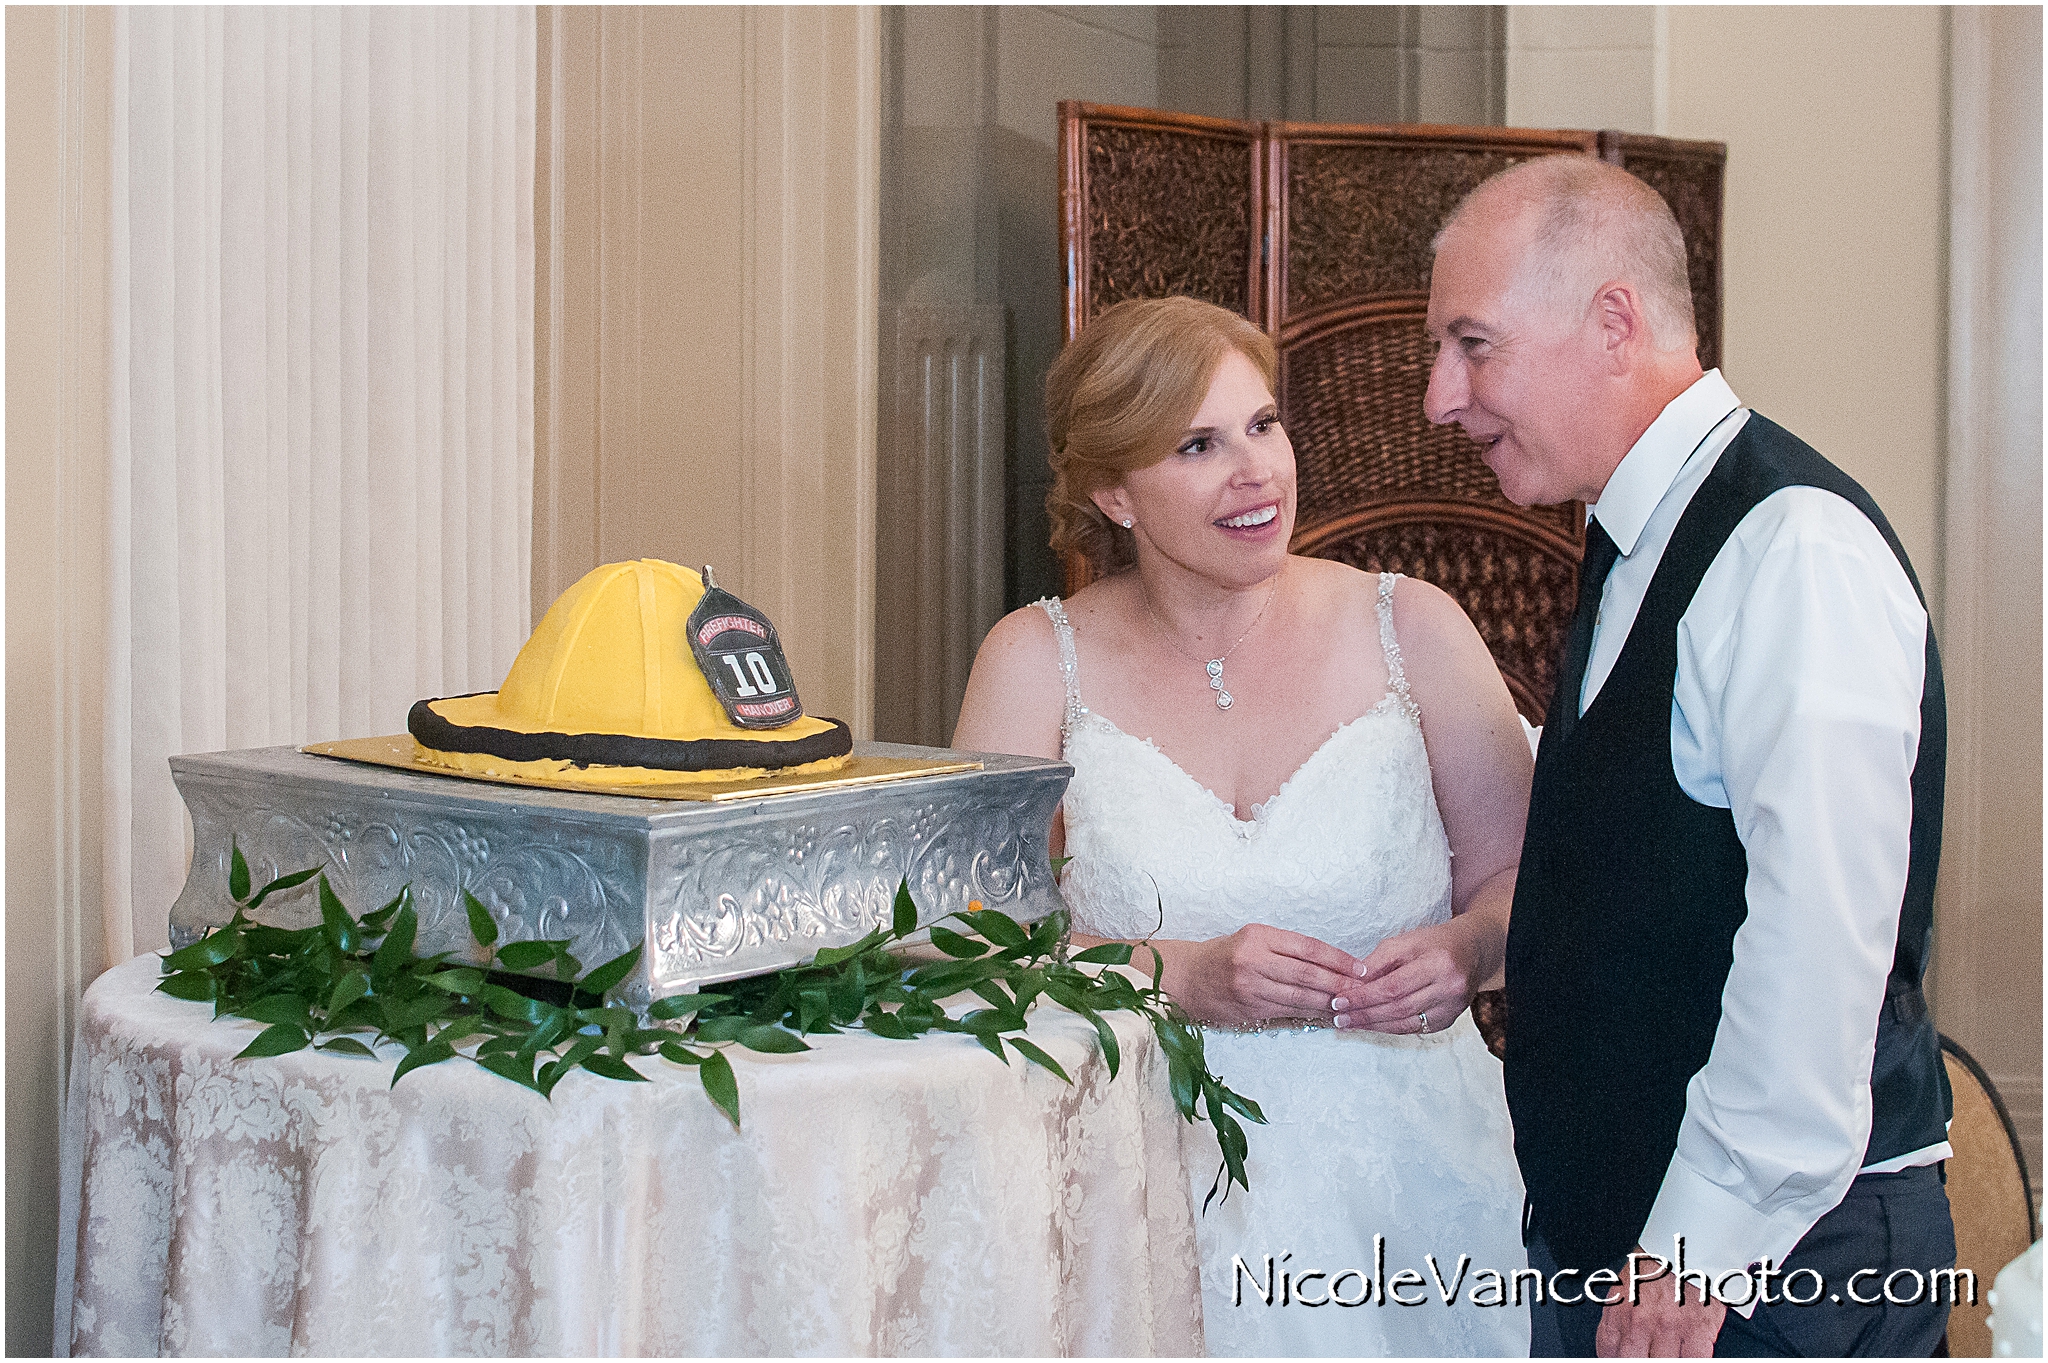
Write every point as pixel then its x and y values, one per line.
pixel 1214 666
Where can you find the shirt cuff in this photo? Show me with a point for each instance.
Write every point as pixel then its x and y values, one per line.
pixel 1723 1235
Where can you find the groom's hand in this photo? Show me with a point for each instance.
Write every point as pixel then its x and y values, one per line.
pixel 1657 1325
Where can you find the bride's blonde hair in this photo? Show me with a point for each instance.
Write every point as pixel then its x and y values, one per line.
pixel 1119 397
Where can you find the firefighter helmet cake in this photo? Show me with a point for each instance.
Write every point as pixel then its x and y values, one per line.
pixel 640 673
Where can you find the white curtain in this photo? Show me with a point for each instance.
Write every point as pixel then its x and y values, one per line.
pixel 322 373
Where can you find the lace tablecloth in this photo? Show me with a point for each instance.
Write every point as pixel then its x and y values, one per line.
pixel 882 1198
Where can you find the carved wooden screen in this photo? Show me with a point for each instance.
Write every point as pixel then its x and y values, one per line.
pixel 1344 218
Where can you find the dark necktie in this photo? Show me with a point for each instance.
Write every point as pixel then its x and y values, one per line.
pixel 1600 555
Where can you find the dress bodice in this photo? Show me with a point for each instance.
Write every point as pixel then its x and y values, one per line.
pixel 1350 850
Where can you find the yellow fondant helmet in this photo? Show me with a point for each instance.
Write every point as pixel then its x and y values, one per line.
pixel 609 680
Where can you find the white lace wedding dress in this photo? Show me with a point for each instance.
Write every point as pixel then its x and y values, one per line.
pixel 1367 1134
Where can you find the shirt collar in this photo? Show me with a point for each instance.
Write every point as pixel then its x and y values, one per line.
pixel 1646 472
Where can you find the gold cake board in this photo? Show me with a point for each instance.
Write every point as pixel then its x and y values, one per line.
pixel 398 750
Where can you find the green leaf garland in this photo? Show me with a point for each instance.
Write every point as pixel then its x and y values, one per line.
pixel 363 977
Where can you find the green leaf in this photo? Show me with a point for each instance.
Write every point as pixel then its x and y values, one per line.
pixel 556 1029
pixel 340 929
pixel 834 955
pixel 481 925
pixel 216 948
pixel 401 1015
pixel 992 1042
pixel 722 1028
pixel 551 1073
pixel 681 1005
pixel 887 1025
pixel 612 1068
pixel 238 872
pixel 516 1066
pixel 432 1053
pixel 612 973
pixel 1032 1052
pixel 903 916
pixel 996 996
pixel 953 944
pixel 771 1039
pixel 193 986
pixel 682 1055
pixel 507 1003
pixel 1060 864
pixel 1243 1104
pixel 267 941
pixel 364 1013
pixel 997 926
pixel 281 883
pixel 394 953
pixel 376 922
pixel 289 1009
pixel 347 990
pixel 813 1011
pixel 526 955
pixel 347 1045
pixel 461 980
pixel 1108 953
pixel 1045 938
pixel 1073 1001
pixel 279 1038
pixel 850 993
pixel 716 1075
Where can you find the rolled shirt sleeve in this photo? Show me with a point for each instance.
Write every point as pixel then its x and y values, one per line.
pixel 1797 708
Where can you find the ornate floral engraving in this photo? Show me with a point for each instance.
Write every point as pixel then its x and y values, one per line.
pixel 763 895
pixel 715 890
pixel 547 879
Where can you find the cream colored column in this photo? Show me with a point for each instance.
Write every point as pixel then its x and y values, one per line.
pixel 707 214
pixel 1987 974
pixel 58 83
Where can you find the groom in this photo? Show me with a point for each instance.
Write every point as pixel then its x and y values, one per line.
pixel 1715 1025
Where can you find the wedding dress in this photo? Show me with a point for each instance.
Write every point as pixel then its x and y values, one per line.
pixel 1368 1135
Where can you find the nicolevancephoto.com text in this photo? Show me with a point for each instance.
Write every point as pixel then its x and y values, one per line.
pixel 1278 1282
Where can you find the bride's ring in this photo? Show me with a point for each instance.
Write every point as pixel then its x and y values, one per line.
pixel 1423 1018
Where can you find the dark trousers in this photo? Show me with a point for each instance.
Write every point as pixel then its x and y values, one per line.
pixel 1886 1222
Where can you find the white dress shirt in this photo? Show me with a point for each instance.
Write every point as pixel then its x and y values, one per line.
pixel 1797 709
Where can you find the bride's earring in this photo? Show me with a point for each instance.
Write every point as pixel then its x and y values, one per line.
pixel 1127 522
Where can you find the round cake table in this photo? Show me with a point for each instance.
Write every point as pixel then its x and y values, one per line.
pixel 882 1197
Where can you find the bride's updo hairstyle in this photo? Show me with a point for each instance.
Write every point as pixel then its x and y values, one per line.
pixel 1118 399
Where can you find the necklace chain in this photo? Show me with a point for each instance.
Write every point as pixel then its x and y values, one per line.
pixel 1213 666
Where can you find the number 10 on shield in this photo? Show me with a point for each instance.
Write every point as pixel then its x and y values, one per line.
pixel 758 679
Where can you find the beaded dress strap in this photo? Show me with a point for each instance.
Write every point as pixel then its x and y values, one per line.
pixel 1397 678
pixel 1069 675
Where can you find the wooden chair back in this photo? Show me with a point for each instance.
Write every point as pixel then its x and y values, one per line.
pixel 1989 1194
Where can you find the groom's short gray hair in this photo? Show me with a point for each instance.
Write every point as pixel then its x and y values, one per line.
pixel 1594 222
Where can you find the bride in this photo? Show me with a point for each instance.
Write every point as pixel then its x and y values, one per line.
pixel 1321 776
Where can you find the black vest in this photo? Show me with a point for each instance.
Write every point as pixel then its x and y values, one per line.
pixel 1630 894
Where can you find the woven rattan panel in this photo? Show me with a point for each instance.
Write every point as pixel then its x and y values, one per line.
pixel 1519 590
pixel 1351 399
pixel 1688 175
pixel 1197 240
pixel 1360 217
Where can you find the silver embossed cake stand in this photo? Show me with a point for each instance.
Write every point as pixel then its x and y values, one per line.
pixel 716 890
